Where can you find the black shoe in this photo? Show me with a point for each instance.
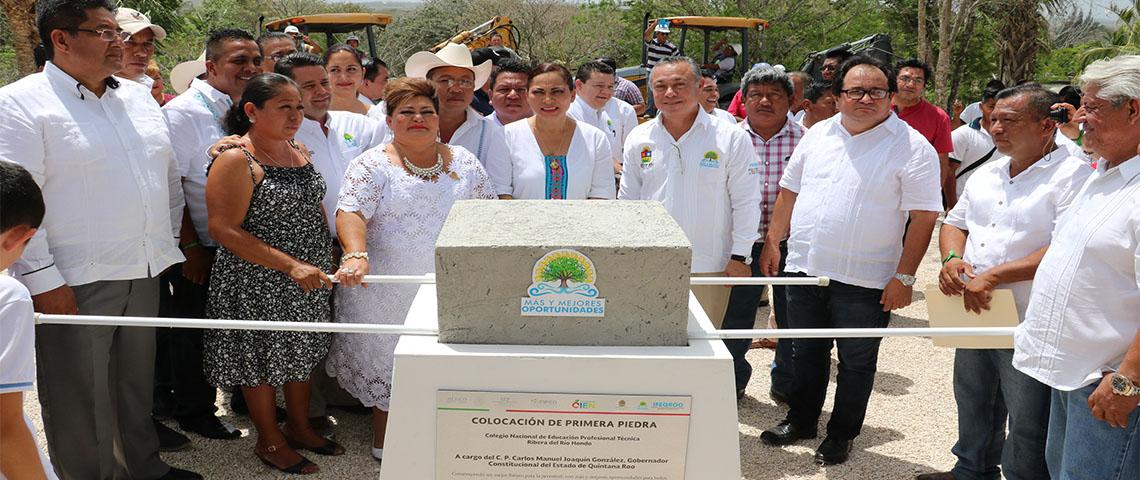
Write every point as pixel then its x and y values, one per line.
pixel 935 476
pixel 209 426
pixel 180 474
pixel 785 434
pixel 322 425
pixel 833 451
pixel 777 396
pixel 169 440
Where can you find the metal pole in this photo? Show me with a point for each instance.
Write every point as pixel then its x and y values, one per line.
pixel 856 332
pixel 49 319
pixel 429 279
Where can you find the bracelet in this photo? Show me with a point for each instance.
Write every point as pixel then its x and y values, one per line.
pixel 950 257
pixel 350 255
pixel 190 245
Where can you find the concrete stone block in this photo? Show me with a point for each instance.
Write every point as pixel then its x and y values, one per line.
pixel 540 272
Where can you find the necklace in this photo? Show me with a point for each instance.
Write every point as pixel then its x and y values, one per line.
pixel 276 162
pixel 424 173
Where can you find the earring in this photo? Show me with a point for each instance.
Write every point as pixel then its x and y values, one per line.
pixel 252 120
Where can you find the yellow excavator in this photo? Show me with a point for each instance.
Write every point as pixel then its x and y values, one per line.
pixel 485 34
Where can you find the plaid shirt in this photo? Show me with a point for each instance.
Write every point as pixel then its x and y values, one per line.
pixel 627 91
pixel 773 156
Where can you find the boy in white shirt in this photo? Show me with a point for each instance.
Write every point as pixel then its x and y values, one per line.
pixel 23 202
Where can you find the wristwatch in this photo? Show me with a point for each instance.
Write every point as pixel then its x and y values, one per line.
pixel 906 280
pixel 1121 385
pixel 742 259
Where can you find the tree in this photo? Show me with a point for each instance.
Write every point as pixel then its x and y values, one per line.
pixel 1020 33
pixel 1124 40
pixel 21 17
pixel 564 269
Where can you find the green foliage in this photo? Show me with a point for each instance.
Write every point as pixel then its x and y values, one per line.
pixel 564 269
pixel 1124 40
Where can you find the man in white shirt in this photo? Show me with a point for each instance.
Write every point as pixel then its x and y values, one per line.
pixel 818 104
pixel 274 46
pixel 768 94
pixel 1081 334
pixel 703 171
pixel 593 87
pixel 710 98
pixel 139 47
pixel 845 198
pixel 332 138
pixel 375 80
pixel 195 121
pixel 508 92
pixel 456 78
pixel 993 238
pixel 100 151
pixel 973 146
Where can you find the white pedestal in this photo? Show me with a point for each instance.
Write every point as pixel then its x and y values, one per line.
pixel 702 370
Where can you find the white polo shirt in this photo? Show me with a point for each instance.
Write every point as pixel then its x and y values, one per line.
pixel 349 135
pixel 1010 218
pixel 854 197
pixel 588 168
pixel 18 351
pixel 708 180
pixel 1082 312
pixel 724 115
pixel 109 180
pixel 195 121
pixel 971 145
pixel 480 135
pixel 625 119
pixel 583 112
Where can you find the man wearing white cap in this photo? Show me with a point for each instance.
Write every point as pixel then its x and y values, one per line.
pixel 353 41
pixel 139 47
pixel 303 41
pixel 657 47
pixel 456 79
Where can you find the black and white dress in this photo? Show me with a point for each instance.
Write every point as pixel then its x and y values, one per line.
pixel 285 213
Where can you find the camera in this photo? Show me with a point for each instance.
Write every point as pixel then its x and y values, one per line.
pixel 1060 115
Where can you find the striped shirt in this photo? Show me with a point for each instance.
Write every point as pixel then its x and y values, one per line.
pixel 773 155
pixel 655 52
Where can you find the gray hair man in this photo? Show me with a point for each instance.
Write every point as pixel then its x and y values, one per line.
pixel 994 238
pixel 845 198
pixel 1081 335
pixel 100 150
pixel 704 173
pixel 768 95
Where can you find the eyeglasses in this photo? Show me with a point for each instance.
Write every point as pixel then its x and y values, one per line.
pixel 857 94
pixel 450 82
pixel 105 34
pixel 909 79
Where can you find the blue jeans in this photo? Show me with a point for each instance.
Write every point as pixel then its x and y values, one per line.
pixel 838 305
pixel 987 390
pixel 1081 447
pixel 741 314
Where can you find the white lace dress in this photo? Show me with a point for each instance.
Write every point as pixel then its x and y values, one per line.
pixel 405 214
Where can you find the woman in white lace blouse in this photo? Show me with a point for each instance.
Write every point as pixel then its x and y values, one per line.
pixel 392 205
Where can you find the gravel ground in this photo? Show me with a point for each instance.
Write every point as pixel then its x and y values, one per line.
pixel 910 425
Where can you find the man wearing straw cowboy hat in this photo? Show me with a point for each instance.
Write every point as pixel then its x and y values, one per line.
pixel 456 78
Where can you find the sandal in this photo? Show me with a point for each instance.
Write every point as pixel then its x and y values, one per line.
pixel 330 448
pixel 303 467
